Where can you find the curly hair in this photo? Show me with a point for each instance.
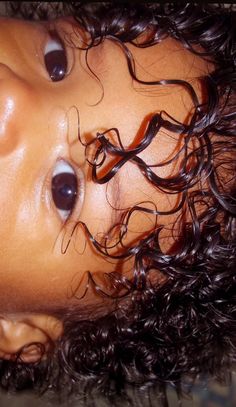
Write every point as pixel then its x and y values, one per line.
pixel 186 325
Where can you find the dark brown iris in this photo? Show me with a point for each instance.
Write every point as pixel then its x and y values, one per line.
pixel 56 64
pixel 64 190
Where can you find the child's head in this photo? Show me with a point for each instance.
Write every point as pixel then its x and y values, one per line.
pixel 117 197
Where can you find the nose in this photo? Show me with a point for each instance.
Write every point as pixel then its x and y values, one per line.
pixel 14 337
pixel 17 100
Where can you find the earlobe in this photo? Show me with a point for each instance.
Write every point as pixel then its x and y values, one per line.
pixel 28 336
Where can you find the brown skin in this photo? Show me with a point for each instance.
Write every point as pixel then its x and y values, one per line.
pixel 38 127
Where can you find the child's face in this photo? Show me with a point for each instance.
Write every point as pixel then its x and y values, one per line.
pixel 38 139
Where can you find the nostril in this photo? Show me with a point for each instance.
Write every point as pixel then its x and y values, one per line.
pixel 26 338
pixel 31 353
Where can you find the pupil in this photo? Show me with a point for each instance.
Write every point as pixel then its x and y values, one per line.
pixel 64 191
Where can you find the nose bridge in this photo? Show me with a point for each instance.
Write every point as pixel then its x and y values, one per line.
pixel 16 104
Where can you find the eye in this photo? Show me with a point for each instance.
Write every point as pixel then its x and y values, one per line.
pixel 64 188
pixel 55 59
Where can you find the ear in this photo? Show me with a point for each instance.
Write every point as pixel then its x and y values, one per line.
pixel 30 336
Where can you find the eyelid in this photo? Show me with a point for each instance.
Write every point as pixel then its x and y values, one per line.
pixel 74 214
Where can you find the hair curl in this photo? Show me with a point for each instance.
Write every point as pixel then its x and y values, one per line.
pixel 187 325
